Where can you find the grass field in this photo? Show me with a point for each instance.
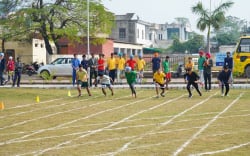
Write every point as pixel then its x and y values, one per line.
pixel 122 125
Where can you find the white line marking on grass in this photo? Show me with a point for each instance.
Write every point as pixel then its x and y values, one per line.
pixel 42 117
pixel 31 104
pixel 125 146
pixel 224 150
pixel 106 127
pixel 181 148
pixel 61 125
pixel 111 129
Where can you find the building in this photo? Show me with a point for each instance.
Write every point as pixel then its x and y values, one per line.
pixel 130 29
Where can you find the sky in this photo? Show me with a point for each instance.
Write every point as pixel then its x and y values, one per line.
pixel 165 11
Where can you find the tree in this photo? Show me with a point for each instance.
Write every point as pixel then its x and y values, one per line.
pixel 230 31
pixel 210 19
pixel 56 19
pixel 6 7
pixel 192 45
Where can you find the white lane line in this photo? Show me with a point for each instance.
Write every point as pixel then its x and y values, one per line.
pixel 111 129
pixel 181 148
pixel 28 105
pixel 52 128
pixel 223 150
pixel 47 116
pixel 33 110
pixel 125 146
pixel 107 127
pixel 63 124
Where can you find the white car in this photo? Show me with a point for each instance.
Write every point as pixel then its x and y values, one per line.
pixel 59 67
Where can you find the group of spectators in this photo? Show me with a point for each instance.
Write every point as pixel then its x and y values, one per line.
pixel 13 69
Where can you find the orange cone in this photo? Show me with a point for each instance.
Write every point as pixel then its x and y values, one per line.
pixel 1 106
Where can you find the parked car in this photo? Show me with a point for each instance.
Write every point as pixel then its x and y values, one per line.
pixel 59 67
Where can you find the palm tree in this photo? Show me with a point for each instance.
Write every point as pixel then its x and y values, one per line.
pixel 210 19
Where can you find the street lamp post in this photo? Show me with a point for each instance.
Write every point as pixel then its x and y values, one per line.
pixel 88 49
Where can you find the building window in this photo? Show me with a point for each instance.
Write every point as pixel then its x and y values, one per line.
pixel 122 33
pixel 138 33
pixel 142 34
pixel 160 36
pixel 150 36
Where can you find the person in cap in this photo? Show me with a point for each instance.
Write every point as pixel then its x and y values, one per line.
pixel 224 78
pixel 191 78
pixel 131 79
pixel 131 62
pixel 82 80
pixel 207 72
pixel 120 67
pixel 140 67
pixel 105 81
pixel 2 69
pixel 10 68
pixel 201 61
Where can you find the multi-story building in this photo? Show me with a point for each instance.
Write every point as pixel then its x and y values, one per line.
pixel 130 29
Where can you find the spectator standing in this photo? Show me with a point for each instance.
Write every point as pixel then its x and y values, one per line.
pixel 112 67
pixel 120 68
pixel 18 72
pixel 84 62
pixel 159 79
pixel 10 68
pixel 2 69
pixel 131 62
pixel 156 63
pixel 82 80
pixel 101 64
pixel 228 61
pixel 131 79
pixel 189 64
pixel 92 62
pixel 140 66
pixel 224 80
pixel 166 70
pixel 201 61
pixel 192 79
pixel 208 64
pixel 75 66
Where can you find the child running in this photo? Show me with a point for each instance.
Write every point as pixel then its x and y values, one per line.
pixel 192 79
pixel 105 81
pixel 224 80
pixel 82 80
pixel 131 79
pixel 159 79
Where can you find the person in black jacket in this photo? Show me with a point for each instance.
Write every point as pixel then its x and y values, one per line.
pixel 2 69
pixel 207 65
pixel 192 79
pixel 18 72
pixel 224 79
